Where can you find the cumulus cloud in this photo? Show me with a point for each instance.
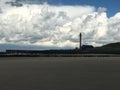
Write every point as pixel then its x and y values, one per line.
pixel 101 10
pixel 57 26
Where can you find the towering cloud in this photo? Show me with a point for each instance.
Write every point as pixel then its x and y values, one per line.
pixel 57 26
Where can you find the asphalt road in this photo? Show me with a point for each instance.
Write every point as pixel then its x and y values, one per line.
pixel 60 73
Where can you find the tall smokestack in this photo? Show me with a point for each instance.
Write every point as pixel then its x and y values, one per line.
pixel 80 41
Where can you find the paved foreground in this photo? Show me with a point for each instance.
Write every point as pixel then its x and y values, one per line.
pixel 60 73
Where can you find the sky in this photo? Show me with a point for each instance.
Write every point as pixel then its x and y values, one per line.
pixel 57 23
pixel 112 6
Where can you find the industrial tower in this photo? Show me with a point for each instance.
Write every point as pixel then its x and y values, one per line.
pixel 80 40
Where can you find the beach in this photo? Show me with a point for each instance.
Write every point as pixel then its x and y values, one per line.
pixel 59 73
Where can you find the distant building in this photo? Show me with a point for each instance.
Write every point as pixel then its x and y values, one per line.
pixel 86 47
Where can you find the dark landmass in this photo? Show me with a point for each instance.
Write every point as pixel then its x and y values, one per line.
pixel 111 49
pixel 111 46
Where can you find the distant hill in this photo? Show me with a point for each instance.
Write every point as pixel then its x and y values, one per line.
pixel 111 46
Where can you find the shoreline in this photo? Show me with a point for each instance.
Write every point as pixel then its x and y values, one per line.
pixel 64 55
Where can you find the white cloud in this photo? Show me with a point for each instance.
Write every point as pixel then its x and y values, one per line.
pixel 57 26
